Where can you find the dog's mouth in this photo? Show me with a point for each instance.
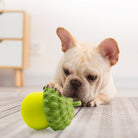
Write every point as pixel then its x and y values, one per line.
pixel 75 94
pixel 75 99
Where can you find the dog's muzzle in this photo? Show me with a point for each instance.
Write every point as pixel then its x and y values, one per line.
pixel 75 84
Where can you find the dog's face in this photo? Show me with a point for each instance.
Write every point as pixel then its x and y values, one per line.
pixel 85 68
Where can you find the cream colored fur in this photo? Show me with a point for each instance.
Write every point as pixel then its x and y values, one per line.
pixel 82 60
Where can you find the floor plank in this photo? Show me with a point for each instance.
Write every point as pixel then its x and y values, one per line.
pixel 13 126
pixel 117 119
pixel 10 98
pixel 81 124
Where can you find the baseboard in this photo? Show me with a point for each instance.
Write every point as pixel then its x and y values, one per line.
pixel 31 79
pixel 34 79
pixel 119 81
pixel 38 79
pixel 126 81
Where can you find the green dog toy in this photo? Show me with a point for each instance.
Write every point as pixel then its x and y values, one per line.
pixel 48 109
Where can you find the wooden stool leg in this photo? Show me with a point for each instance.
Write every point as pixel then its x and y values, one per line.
pixel 22 78
pixel 17 76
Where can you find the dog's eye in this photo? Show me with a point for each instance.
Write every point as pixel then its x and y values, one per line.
pixel 66 72
pixel 91 78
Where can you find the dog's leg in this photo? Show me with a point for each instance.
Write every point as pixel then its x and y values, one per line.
pixel 54 86
pixel 100 99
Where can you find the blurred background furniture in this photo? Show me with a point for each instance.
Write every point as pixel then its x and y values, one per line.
pixel 15 43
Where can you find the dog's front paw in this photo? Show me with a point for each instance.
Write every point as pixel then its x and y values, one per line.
pixel 54 86
pixel 93 103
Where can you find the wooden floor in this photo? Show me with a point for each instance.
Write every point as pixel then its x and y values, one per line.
pixel 118 119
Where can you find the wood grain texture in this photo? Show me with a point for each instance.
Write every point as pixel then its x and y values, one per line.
pixel 118 119
pixel 14 39
pixel 19 77
pixel 11 122
pixel 22 78
pixel 1 11
pixel 10 67
pixel 26 40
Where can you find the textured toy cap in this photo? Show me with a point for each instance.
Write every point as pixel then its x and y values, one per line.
pixel 59 110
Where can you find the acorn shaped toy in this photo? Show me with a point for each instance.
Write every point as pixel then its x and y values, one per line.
pixel 48 109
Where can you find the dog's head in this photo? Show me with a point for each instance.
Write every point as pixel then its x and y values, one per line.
pixel 85 68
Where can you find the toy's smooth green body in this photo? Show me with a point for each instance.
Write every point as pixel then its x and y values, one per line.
pixel 59 110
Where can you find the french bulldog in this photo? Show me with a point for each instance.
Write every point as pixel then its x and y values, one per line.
pixel 84 71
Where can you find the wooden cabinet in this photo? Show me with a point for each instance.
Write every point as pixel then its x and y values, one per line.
pixel 15 42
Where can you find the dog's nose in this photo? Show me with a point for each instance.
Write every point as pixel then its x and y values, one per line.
pixel 75 83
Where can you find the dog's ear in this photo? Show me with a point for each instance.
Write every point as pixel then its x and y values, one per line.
pixel 108 48
pixel 67 40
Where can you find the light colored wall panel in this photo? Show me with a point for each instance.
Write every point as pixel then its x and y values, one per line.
pixel 11 25
pixel 11 53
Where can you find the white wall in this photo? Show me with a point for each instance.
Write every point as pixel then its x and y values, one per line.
pixel 89 21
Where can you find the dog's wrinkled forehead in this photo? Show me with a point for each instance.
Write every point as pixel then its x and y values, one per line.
pixel 83 58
